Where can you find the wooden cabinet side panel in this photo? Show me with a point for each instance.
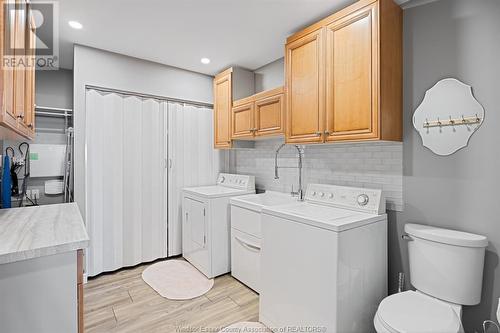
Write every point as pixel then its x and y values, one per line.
pixel 304 64
pixel 222 111
pixel 79 279
pixel 352 84
pixel 391 71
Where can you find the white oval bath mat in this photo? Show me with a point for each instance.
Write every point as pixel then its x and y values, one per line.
pixel 177 279
pixel 246 326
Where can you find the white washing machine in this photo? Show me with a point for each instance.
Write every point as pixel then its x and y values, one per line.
pixel 206 225
pixel 324 261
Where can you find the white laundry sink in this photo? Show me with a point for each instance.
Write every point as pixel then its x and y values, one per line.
pixel 257 202
pixel 246 212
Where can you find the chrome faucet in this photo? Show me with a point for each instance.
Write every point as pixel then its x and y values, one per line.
pixel 300 192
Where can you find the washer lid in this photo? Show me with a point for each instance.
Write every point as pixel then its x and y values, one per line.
pixel 410 311
pixel 446 236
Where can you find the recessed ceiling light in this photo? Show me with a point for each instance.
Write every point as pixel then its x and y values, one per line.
pixel 205 61
pixel 75 25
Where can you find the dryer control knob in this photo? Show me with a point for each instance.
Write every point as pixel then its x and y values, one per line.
pixel 222 179
pixel 330 195
pixel 363 199
pixel 321 194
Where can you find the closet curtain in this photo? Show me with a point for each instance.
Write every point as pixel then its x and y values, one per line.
pixel 140 153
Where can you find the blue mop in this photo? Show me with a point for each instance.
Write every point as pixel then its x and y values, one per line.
pixel 6 183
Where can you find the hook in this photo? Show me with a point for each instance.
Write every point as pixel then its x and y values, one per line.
pixel 23 153
pixel 477 118
pixel 463 119
pixel 439 122
pixel 10 149
pixel 427 122
pixel 452 121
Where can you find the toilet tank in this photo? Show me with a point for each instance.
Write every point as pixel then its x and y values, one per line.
pixel 446 264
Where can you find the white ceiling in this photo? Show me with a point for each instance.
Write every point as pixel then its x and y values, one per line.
pixel 248 33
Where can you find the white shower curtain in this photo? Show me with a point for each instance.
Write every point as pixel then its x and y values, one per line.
pixel 133 206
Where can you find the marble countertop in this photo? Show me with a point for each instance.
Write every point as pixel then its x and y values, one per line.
pixel 32 232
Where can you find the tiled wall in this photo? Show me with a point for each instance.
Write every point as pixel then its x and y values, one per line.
pixel 372 165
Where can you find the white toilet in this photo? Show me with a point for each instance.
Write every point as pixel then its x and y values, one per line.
pixel 446 268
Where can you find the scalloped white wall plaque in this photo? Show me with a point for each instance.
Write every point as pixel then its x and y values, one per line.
pixel 448 116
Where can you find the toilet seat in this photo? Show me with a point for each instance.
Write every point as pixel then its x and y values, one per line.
pixel 412 312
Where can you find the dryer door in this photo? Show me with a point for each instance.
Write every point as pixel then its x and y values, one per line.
pixel 194 234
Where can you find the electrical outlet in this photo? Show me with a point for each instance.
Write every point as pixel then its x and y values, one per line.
pixel 35 194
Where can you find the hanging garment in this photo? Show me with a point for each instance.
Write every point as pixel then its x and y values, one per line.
pixel 6 183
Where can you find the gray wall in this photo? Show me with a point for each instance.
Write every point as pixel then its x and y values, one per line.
pixel 270 76
pixel 111 70
pixel 453 38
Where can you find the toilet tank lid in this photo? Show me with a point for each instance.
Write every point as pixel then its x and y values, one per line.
pixel 446 236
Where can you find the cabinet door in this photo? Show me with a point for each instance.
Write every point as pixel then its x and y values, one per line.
pixel 222 110
pixel 352 76
pixel 305 88
pixel 243 120
pixel 20 48
pixel 269 114
pixel 29 114
pixel 7 85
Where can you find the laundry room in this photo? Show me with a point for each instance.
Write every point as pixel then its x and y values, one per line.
pixel 297 166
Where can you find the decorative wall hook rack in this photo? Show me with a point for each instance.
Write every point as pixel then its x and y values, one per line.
pixel 448 116
pixel 453 121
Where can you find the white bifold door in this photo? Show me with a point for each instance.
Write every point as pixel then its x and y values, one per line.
pixel 140 153
pixel 193 161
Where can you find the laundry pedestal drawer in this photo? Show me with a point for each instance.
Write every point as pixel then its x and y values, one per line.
pixel 245 258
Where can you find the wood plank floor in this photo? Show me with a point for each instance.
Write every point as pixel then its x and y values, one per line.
pixel 123 302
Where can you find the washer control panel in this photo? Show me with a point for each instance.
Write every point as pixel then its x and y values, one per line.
pixel 244 182
pixel 355 198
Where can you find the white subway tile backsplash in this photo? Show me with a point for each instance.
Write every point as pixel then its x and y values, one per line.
pixel 371 165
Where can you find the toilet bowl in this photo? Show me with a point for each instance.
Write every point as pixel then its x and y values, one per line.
pixel 446 268
pixel 415 312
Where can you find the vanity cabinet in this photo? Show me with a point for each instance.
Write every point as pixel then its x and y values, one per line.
pixel 344 76
pixel 17 82
pixel 259 115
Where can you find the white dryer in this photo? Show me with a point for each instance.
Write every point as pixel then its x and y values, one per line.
pixel 324 261
pixel 206 225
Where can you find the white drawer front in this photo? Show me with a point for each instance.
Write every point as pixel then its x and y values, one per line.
pixel 245 258
pixel 246 220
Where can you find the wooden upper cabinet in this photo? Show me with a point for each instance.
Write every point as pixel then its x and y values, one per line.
pixel 17 82
pixel 352 76
pixel 269 113
pixel 243 119
pixel 304 61
pixel 233 83
pixel 259 115
pixel 7 30
pixel 360 84
pixel 222 109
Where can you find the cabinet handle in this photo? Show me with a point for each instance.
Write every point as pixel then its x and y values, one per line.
pixel 327 133
pixel 250 246
pixel 318 133
pixel 30 125
pixel 20 116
